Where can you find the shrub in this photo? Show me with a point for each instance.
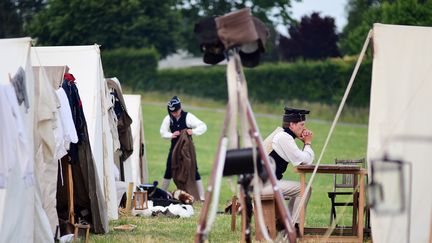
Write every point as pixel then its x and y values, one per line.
pixel 314 81
pixel 133 67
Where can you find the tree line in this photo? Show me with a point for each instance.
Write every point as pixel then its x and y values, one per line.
pixel 167 25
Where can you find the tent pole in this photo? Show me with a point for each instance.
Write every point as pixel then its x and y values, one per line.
pixel 129 197
pixel 71 196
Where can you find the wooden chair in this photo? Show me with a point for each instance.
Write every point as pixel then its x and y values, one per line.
pixel 341 184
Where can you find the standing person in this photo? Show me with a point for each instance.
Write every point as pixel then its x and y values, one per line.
pixel 177 120
pixel 285 150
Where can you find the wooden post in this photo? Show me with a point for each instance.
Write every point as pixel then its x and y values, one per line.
pixel 361 208
pixel 270 215
pixel 233 212
pixel 71 194
pixel 303 206
pixel 129 197
pixel 243 216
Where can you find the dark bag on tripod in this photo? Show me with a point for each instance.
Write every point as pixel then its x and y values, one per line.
pixel 239 28
pixel 250 53
pixel 236 28
pixel 209 41
pixel 241 161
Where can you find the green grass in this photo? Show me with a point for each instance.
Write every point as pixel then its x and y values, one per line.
pixel 348 141
pixel 318 110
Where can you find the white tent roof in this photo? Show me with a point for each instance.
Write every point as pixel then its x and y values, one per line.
pixel 85 64
pixel 22 218
pixel 135 168
pixel 401 95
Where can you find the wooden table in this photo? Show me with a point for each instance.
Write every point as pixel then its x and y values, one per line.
pixel 333 169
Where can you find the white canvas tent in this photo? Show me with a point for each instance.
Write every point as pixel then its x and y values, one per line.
pixel 85 64
pixel 135 166
pixel 400 116
pixel 22 218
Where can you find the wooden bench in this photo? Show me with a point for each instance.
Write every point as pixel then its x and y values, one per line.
pixel 270 213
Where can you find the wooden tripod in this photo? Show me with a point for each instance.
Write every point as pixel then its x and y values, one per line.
pixel 238 96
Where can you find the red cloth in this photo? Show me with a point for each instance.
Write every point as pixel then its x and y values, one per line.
pixel 69 77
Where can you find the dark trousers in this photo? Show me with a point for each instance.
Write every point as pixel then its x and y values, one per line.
pixel 168 174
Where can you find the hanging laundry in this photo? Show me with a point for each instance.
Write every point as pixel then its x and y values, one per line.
pixel 88 195
pixel 19 150
pixel 19 83
pixel 47 133
pixel 8 135
pixel 124 122
pixel 69 130
pixel 78 117
pixel 49 127
pixel 113 119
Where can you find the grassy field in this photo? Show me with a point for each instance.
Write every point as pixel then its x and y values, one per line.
pixel 348 141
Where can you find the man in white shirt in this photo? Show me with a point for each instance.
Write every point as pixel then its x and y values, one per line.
pixel 285 150
pixel 177 120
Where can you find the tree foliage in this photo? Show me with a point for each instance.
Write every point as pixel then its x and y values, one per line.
pixel 313 38
pixel 363 14
pixel 14 14
pixel 10 22
pixel 111 23
pixel 166 25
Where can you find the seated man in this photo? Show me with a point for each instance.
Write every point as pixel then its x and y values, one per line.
pixel 285 150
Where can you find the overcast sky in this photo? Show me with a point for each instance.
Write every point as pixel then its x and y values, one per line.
pixel 332 8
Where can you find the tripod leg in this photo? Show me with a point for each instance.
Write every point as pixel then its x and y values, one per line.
pixel 286 217
pixel 199 236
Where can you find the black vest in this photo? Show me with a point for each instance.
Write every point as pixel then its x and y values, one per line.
pixel 177 125
pixel 281 164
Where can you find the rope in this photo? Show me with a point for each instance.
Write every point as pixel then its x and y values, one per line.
pixel 354 74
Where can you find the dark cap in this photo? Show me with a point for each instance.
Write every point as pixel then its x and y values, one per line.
pixel 174 104
pixel 294 115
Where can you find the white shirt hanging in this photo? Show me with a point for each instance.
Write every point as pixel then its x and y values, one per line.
pixel 66 118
